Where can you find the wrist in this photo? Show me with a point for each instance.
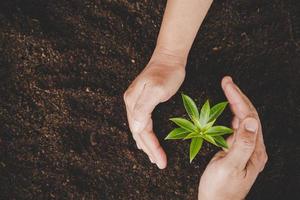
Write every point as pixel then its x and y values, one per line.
pixel 216 196
pixel 167 56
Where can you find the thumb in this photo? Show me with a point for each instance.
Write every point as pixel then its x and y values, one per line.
pixel 244 145
pixel 145 104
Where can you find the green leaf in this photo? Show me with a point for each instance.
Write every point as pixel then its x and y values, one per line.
pixel 195 147
pixel 192 135
pixel 204 114
pixel 217 110
pixel 218 130
pixel 183 123
pixel 209 139
pixel 208 125
pixel 177 133
pixel 190 107
pixel 221 142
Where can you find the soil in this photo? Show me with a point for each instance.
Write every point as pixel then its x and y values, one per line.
pixel 64 65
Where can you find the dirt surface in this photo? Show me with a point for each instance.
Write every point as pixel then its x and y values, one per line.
pixel 64 66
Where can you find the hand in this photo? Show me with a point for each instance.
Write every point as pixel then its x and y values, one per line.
pixel 160 80
pixel 230 174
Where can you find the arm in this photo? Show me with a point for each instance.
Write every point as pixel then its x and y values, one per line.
pixel 180 24
pixel 164 73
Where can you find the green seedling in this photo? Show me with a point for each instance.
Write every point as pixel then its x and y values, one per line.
pixel 201 127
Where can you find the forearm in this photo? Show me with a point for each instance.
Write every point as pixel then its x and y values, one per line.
pixel 181 21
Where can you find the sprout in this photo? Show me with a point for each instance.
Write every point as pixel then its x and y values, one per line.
pixel 201 127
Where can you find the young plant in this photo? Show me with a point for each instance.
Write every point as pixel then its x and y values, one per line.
pixel 201 127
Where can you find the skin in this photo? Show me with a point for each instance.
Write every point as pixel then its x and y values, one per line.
pixel 164 73
pixel 231 173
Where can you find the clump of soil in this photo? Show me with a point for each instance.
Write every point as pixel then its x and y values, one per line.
pixel 64 65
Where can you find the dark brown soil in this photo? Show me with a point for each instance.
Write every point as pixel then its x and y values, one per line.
pixel 64 65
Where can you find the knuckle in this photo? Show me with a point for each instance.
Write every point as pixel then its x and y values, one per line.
pixel 262 156
pixel 247 141
pixel 262 166
pixel 253 114
pixel 237 172
pixel 260 159
pixel 265 159
pixel 259 154
pixel 126 96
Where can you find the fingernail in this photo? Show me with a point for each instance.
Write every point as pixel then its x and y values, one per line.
pixel 225 81
pixel 136 126
pixel 229 78
pixel 230 84
pixel 251 125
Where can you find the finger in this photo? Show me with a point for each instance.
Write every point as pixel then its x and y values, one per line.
pixel 145 104
pixel 130 119
pixel 130 97
pixel 235 123
pixel 244 145
pixel 245 98
pixel 145 116
pixel 250 173
pixel 133 92
pixel 243 109
pixel 139 142
pixel 152 143
pixel 239 103
pixel 221 154
pixel 230 141
pixel 231 138
pixel 259 157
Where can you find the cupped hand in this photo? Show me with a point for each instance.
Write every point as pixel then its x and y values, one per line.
pixel 231 174
pixel 160 80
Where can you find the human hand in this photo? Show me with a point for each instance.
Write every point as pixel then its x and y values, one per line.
pixel 160 80
pixel 231 173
